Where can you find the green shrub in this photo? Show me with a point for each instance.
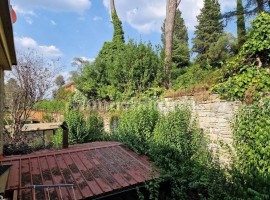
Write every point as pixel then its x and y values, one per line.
pixel 77 127
pixel 94 127
pixel 251 169
pixel 195 76
pixel 51 106
pixel 246 76
pixel 176 145
pixel 176 129
pixel 180 151
pixel 58 138
pixel 136 127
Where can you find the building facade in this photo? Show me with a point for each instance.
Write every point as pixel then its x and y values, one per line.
pixel 7 56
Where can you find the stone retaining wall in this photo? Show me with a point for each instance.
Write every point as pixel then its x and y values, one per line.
pixel 214 117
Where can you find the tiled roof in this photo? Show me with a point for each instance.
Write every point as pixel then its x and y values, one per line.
pixel 94 169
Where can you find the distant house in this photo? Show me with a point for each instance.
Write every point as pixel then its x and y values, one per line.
pixel 70 87
pixel 98 170
pixel 7 56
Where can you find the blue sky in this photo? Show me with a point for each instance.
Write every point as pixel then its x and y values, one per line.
pixel 77 28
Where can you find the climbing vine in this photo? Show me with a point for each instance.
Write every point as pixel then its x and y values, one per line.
pixel 251 142
pixel 246 76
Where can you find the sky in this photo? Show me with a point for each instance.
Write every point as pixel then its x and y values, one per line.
pixel 64 29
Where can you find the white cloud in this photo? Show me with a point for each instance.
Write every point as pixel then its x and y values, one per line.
pixel 53 22
pixel 23 11
pixel 148 16
pixel 82 58
pixel 191 8
pixel 50 51
pixel 87 59
pixel 29 20
pixel 97 18
pixel 27 6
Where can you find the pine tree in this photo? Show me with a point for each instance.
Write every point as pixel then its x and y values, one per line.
pixel 180 49
pixel 208 31
pixel 251 8
pixel 241 27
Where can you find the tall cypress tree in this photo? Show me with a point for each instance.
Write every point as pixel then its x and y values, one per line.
pixel 208 31
pixel 241 27
pixel 180 49
pixel 118 34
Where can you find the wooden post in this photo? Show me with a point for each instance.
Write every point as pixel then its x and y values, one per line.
pixel 64 126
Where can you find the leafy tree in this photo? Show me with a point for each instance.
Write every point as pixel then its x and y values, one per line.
pixel 31 79
pixel 208 31
pixel 62 94
pixel 180 49
pixel 223 48
pixel 241 27
pixel 59 81
pixel 134 69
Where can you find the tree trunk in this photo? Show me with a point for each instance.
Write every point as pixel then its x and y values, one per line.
pixel 112 7
pixel 169 27
pixel 260 4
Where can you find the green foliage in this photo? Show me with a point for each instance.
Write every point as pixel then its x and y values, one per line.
pixel 246 76
pixel 94 126
pixel 79 98
pixel 48 117
pixel 77 127
pixel 51 106
pixel 62 94
pixel 208 32
pixel 81 130
pixel 178 131
pixel 58 138
pixel 175 144
pixel 258 39
pixel 59 81
pixel 122 73
pixel 195 77
pixel 224 48
pixel 118 34
pixel 136 127
pixel 251 142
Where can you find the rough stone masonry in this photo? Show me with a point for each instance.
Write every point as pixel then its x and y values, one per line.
pixel 214 117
